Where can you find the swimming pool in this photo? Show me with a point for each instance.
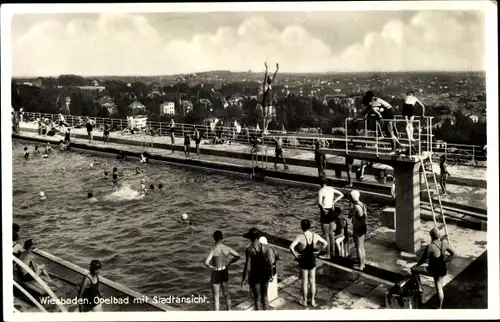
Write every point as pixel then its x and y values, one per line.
pixel 141 243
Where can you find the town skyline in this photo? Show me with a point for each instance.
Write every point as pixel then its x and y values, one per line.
pixel 161 44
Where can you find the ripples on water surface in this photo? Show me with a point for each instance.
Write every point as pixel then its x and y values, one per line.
pixel 141 243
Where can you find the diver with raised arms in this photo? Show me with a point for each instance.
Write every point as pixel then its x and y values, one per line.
pixel 267 97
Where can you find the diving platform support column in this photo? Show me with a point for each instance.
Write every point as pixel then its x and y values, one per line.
pixel 407 221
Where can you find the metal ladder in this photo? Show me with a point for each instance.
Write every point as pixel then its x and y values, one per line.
pixel 436 216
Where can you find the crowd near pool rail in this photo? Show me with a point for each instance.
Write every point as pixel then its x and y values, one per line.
pixel 293 140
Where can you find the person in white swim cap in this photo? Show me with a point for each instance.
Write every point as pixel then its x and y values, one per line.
pixel 358 214
pixel 42 195
pixel 272 254
pixel 184 217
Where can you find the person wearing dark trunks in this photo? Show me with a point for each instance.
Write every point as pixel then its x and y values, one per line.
pixel 279 153
pixel 260 272
pixel 408 112
pixel 89 289
pixel 319 158
pixel 435 255
pixel 327 198
pixel 267 97
pixel 197 141
pixel 306 258
pixel 358 215
pixel 106 133
pixel 26 153
pixel 218 261
pixel 187 144
pixel 348 166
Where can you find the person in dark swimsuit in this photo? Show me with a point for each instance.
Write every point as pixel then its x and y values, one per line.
pixel 90 127
pixel 267 97
pixel 67 137
pixel 26 153
pixel 89 289
pixel 260 272
pixel 358 215
pixel 306 258
pixel 435 255
pixel 319 158
pixel 218 261
pixel 106 133
pixel 279 153
pixel 187 144
pixel 197 141
pixel 341 233
pixel 349 160
pixel 172 134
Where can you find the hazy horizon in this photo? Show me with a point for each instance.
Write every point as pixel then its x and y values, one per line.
pixel 168 43
pixel 261 72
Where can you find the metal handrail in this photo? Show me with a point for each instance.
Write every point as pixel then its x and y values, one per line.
pixel 464 151
pixel 40 281
pixel 29 296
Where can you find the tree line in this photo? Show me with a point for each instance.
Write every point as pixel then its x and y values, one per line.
pixel 292 111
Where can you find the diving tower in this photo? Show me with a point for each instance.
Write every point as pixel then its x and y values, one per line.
pixel 406 162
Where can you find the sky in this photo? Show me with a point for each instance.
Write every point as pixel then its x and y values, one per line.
pixel 189 42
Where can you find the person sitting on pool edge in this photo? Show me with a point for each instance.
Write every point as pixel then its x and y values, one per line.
pixel 28 258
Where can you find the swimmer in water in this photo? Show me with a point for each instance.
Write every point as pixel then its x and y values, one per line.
pixel 115 171
pixel 106 174
pixel 36 151
pixel 144 158
pixel 218 260
pixel 138 171
pixel 160 186
pixel 143 187
pixel 91 198
pixel 26 153
pixel 48 148
pixel 152 186
pixel 42 195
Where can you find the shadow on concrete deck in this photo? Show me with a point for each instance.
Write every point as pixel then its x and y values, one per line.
pixel 468 290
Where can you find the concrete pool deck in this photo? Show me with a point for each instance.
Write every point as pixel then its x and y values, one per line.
pixel 472 176
pixel 380 249
pixel 473 194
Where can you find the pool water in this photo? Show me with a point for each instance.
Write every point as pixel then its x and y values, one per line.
pixel 142 243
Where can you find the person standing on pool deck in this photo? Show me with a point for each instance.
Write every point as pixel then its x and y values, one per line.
pixel 197 140
pixel 218 262
pixel 260 272
pixel 307 259
pixel 435 254
pixel 67 137
pixel 326 203
pixel 90 127
pixel 358 215
pixel 409 113
pixel 319 158
pixel 106 133
pixel 172 134
pixel 89 289
pixel 279 153
pixel 187 144
pixel 444 173
pixel 348 165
